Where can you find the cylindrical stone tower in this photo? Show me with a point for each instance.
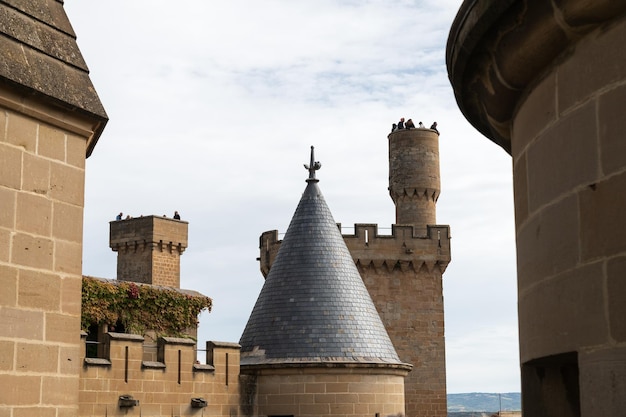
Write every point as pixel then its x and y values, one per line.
pixel 414 176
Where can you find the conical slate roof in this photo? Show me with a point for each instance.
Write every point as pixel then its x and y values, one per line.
pixel 314 306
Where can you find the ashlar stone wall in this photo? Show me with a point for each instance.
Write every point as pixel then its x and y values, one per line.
pixel 330 391
pixel 164 387
pixel 42 171
pixel 569 158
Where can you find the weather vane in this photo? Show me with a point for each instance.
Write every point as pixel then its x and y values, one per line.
pixel 313 166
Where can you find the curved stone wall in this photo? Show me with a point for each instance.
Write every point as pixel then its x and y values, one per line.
pixel 569 158
pixel 547 82
pixel 414 180
pixel 314 392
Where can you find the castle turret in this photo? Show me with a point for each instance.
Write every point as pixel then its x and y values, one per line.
pixel 414 176
pixel 315 330
pixel 149 249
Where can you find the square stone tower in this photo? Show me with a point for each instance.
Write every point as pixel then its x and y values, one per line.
pixel 149 249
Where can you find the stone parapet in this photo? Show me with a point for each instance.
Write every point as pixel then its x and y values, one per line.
pixel 154 230
pixel 403 248
pixel 163 387
pixel 323 391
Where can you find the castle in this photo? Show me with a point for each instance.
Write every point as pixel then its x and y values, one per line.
pixel 52 119
pixel 543 80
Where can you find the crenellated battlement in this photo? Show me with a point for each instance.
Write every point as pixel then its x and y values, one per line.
pixel 174 384
pixel 403 248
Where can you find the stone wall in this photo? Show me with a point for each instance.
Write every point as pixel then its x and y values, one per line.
pixel 330 391
pixel 50 120
pixel 42 169
pixel 569 159
pixel 164 387
pixel 547 82
pixel 403 274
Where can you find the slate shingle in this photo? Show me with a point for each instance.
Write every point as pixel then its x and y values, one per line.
pixel 314 306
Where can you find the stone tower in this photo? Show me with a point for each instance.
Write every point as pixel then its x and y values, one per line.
pixel 414 176
pixel 149 249
pixel 314 344
pixel 403 271
pixel 546 81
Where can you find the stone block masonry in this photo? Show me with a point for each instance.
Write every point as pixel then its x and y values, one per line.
pixel 334 391
pixel 164 387
pixel 42 169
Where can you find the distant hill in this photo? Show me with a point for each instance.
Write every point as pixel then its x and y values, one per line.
pixel 485 402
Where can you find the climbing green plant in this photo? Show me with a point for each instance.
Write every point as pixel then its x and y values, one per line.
pixel 140 308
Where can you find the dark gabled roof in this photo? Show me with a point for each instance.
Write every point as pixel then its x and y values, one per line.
pixel 314 306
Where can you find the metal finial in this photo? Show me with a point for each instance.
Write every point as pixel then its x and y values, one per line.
pixel 313 166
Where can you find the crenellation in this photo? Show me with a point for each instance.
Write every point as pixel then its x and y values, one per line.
pixel 404 248
pixel 166 385
pixel 403 245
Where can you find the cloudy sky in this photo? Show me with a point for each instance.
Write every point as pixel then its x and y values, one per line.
pixel 213 107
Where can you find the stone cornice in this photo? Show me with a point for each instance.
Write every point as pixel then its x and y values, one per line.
pixel 497 48
pixel 366 365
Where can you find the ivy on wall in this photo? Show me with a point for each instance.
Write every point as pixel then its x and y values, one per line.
pixel 140 307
